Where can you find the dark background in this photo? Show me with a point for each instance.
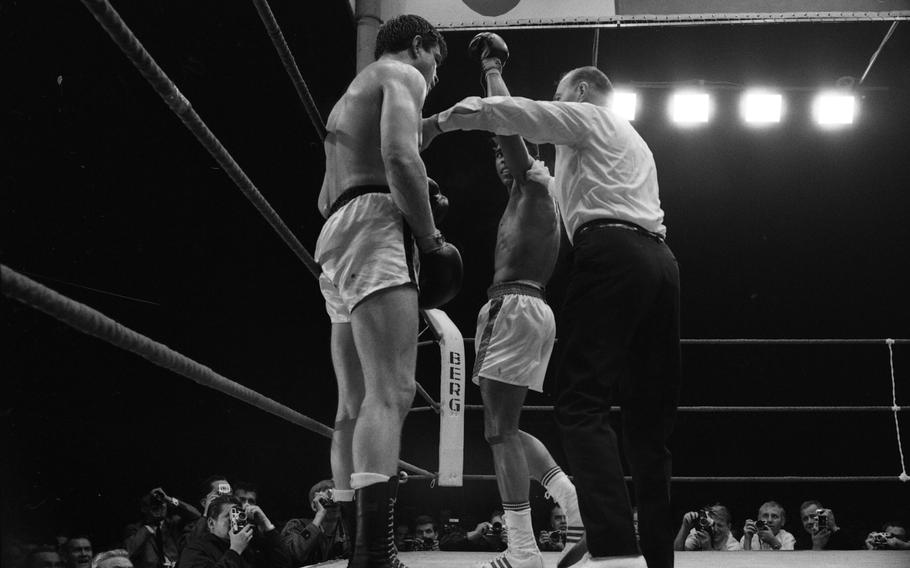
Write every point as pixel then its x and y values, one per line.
pixel 784 232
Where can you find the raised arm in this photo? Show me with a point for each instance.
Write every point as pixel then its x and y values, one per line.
pixel 491 51
pixel 403 91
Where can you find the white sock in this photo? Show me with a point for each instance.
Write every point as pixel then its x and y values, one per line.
pixel 518 520
pixel 562 491
pixel 359 480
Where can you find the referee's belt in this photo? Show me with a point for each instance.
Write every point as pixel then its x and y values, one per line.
pixel 597 224
pixel 353 193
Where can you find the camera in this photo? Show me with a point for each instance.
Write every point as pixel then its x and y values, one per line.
pixel 238 519
pixel 427 543
pixel 495 529
pixel 760 524
pixel 705 522
pixel 450 525
pixel 880 539
pixel 158 496
pixel 821 519
pixel 558 537
pixel 325 499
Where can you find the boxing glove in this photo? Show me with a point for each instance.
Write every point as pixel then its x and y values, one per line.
pixel 441 271
pixel 490 49
pixel 439 203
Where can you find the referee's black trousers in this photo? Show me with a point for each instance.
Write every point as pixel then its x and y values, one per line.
pixel 619 343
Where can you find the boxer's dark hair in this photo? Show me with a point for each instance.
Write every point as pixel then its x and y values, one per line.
pixel 594 77
pixel 396 35
pixel 533 149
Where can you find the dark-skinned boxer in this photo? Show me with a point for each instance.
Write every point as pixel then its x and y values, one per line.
pixel 515 334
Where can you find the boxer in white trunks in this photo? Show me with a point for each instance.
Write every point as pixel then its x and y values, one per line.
pixel 378 222
pixel 515 335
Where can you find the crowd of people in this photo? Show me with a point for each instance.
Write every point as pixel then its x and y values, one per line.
pixel 712 528
pixel 227 527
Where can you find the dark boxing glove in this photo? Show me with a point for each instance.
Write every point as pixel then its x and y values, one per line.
pixel 439 203
pixel 490 49
pixel 441 271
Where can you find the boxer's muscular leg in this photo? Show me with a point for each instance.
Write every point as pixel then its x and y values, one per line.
pixel 539 459
pixel 501 410
pixel 350 396
pixel 385 334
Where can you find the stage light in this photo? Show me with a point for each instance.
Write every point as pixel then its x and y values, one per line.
pixel 690 107
pixel 624 104
pixel 834 109
pixel 761 107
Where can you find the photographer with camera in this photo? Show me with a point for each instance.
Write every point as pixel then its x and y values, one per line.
pixel 821 531
pixel 229 540
pixel 554 537
pixel 426 532
pixel 153 541
pixel 325 536
pixel 893 536
pixel 767 532
pixel 213 487
pixel 706 529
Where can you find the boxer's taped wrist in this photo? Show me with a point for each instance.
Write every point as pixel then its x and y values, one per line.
pixel 491 64
pixel 430 242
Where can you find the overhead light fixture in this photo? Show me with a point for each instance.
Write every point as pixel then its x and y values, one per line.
pixel 690 107
pixel 761 107
pixel 624 104
pixel 834 109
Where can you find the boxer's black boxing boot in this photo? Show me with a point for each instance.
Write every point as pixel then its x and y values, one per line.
pixel 375 543
pixel 349 524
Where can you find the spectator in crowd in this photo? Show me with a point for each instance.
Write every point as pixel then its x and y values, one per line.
pixel 227 543
pixel 707 529
pixel 767 532
pixel 403 536
pixel 77 552
pixel 117 558
pixel 553 538
pixel 213 487
pixel 322 538
pixel 487 536
pixel 893 536
pixel 154 541
pixel 427 532
pixel 821 531
pixel 246 492
pixel 45 556
pixel 494 533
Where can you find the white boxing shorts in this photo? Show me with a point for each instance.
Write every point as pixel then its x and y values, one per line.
pixel 365 246
pixel 515 335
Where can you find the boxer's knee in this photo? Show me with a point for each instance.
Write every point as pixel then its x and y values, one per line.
pixel 496 434
pixel 393 395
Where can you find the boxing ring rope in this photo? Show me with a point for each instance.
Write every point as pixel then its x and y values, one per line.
pixel 93 322
pixel 290 65
pixel 894 408
pixel 114 25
